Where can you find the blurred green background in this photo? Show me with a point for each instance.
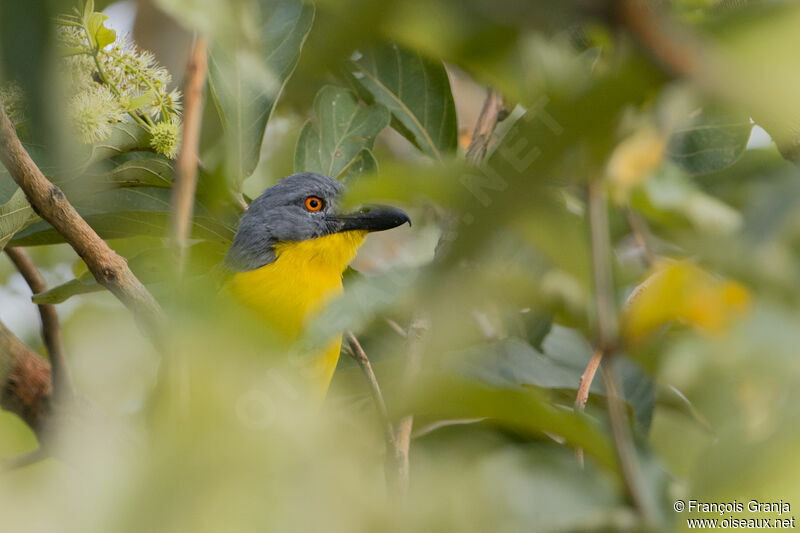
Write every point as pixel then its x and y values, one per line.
pixel 655 141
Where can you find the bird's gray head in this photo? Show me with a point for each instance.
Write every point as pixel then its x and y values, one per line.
pixel 298 208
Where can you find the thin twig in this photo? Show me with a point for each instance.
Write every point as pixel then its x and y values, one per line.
pixel 639 231
pixel 185 184
pixel 25 459
pixel 360 356
pixel 678 55
pixel 586 380
pixel 51 331
pixel 397 328
pixel 49 202
pixel 583 390
pixel 405 426
pixel 607 326
pixel 492 112
pixel 623 440
pixel 394 466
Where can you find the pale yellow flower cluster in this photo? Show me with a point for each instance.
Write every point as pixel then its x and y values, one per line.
pixel 111 80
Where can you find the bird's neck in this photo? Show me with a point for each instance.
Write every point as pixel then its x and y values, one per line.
pixel 328 255
pixel 303 278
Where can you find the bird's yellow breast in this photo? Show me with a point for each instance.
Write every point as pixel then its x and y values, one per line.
pixel 303 278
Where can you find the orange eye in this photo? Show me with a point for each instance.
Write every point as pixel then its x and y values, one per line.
pixel 313 203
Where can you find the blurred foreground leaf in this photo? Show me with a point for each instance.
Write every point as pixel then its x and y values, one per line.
pixel 150 266
pixel 523 410
pixel 128 212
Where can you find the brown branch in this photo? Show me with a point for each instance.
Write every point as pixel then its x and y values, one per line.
pixel 607 326
pixel 185 184
pixel 492 112
pixel 51 331
pixel 396 460
pixel 360 356
pixel 654 34
pixel 49 202
pixel 25 381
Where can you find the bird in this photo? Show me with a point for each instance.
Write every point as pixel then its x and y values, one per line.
pixel 291 248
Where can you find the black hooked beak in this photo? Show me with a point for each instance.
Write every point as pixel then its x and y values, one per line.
pixel 373 218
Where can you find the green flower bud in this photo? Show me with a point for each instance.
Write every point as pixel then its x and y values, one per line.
pixel 166 138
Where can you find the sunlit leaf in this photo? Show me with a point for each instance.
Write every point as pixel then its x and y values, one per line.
pixel 98 33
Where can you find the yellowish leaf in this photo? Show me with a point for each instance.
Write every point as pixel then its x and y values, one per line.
pixel 633 160
pixel 683 292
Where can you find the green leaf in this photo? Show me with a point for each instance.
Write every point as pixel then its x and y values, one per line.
pixel 83 285
pixel 131 211
pixel 88 9
pixel 98 33
pixel 142 100
pixel 417 92
pixel 712 141
pixel 15 215
pixel 246 80
pixel 339 144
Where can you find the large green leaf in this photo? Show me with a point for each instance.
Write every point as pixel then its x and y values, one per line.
pixel 710 142
pixel 339 144
pixel 246 78
pixel 415 89
pixel 126 212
